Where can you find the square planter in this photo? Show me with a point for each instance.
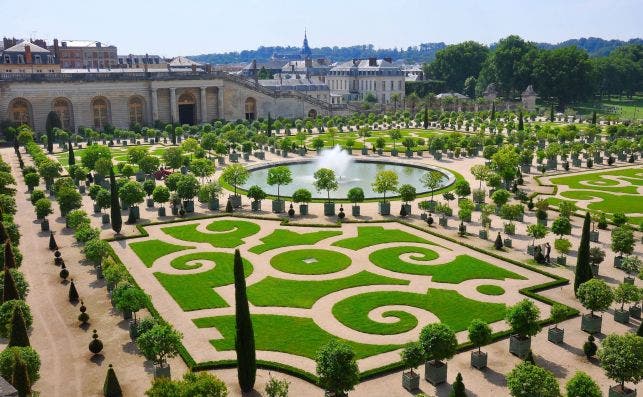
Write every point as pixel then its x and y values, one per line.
pixel 127 315
pixel 260 155
pixel 555 335
pixel 384 208
pixel 105 219
pixel 525 168
pixel 44 226
pixel 483 234
pixel 617 261
pixel 635 312
pixel 189 206
pixel 329 209
pixel 622 316
pixel 593 236
pixel 394 152
pixel 356 211
pixel 478 359
pixel 161 211
pixel 409 153
pixel 561 260
pixel 438 156
pixel 255 205
pixel 303 209
pixel 175 209
pixel 81 189
pixel 364 151
pixel 435 372
pixel 379 151
pixel 410 381
pixel 591 324
pixel 162 372
pixel 235 200
pixel 149 202
pixel 542 222
pixel 628 280
pixel 407 208
pixel 617 391
pixel 594 270
pixel 97 209
pixel 233 157
pixel 136 212
pixel 221 160
pixel 423 216
pixel 246 156
pixel 133 330
pixel 519 347
pixel 508 243
pixel 443 221
pixel 213 204
pixel 530 250
pixel 140 177
pixel 278 206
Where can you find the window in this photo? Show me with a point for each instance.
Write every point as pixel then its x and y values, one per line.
pixel 399 85
pixel 392 85
pixel 136 110
pixel 20 112
pixel 100 110
pixel 7 58
pixel 37 60
pixel 251 108
pixel 62 107
pixel 21 58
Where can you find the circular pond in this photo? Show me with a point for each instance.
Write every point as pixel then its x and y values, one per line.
pixel 355 174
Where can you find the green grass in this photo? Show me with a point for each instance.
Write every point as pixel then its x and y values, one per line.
pixel 597 182
pixel 278 292
pixel 610 203
pixel 462 268
pixel 450 307
pixel 295 335
pixel 229 233
pixel 286 238
pixel 624 108
pixel 150 250
pixel 371 235
pixel 324 261
pixel 195 291
pixel 489 289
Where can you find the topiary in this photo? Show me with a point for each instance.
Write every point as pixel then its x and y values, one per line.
pixel 20 379
pixel 52 242
pixel 228 207
pixel 458 389
pixel 498 243
pixel 28 355
pixel 18 330
pixel 111 387
pixel 96 345
pixel 73 293
pixel 64 273
pixel 6 315
pixel 589 347
pixel 83 317
pixel 19 281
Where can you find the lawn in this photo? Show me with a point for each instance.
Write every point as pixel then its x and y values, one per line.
pixel 227 233
pixel 371 235
pixel 195 291
pixel 295 335
pixel 462 268
pixel 489 289
pixel 624 108
pixel 450 307
pixel 278 292
pixel 595 181
pixel 286 238
pixel 150 250
pixel 310 261
pixel 610 203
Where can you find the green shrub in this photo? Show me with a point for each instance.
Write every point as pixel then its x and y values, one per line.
pixel 6 312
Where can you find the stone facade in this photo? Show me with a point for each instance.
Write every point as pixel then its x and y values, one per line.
pixel 121 99
pixel 352 80
pixel 528 98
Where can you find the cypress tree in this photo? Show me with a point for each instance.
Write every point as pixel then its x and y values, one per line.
pixel 493 111
pixel 426 117
pixel 458 389
pixel 73 293
pixel 117 221
pixel 521 125
pixel 498 243
pixel 583 268
pixel 9 257
pixel 18 333
pixel 20 379
pixel 245 338
pixel 269 125
pixel 551 113
pixel 3 232
pixel 10 291
pixel 53 121
pixel 53 246
pixel 16 145
pixel 112 388
pixel 228 207
pixel 639 330
pixel 71 158
pixel 594 117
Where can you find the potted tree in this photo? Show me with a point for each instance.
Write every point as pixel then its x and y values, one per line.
pixel 541 211
pixel 161 195
pixel 132 194
pixel 302 197
pixel 280 175
pixel 479 334
pixel 148 188
pixel 622 243
pixel 158 344
pixel 620 357
pixel 355 195
pixel 336 368
pixel 558 314
pixel 625 293
pixel 562 245
pixel 412 357
pixel 536 231
pixel 593 234
pixel 380 142
pixel 394 135
pixel 439 343
pixel 131 301
pixel 256 194
pixel 407 195
pixel 209 193
pixel 530 380
pixel 187 188
pixel 596 257
pixel 31 180
pixel 385 181
pixel 432 181
pixel 523 319
pixel 235 175
pixel 325 179
pixel 594 295
pixel 630 265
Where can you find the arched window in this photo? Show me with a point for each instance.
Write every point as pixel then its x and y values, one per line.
pixel 187 99
pixel 100 109
pixel 312 114
pixel 62 106
pixel 20 111
pixel 136 109
pixel 251 108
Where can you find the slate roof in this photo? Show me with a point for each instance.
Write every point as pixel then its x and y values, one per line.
pixel 20 47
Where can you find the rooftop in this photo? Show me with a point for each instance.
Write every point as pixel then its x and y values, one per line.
pixel 20 47
pixel 83 43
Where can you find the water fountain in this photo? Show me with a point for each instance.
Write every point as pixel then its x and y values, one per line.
pixel 337 159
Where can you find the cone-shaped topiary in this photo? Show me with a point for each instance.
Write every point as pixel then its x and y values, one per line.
pixel 96 345
pixel 10 290
pixel 583 268
pixel 18 333
pixel 529 358
pixel 9 257
pixel 3 232
pixel 112 388
pixel 115 215
pixel 71 157
pixel 228 207
pixel 20 379
pixel 73 293
pixel 53 246
pixel 589 347
pixel 498 243
pixel 131 218
pixel 458 389
pixel 245 338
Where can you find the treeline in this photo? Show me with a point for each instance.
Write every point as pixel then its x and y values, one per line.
pixel 561 75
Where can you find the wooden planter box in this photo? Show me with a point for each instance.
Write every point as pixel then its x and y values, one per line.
pixel 213 204
pixel 508 243
pixel 635 312
pixel 561 260
pixel 478 359
pixel 591 324
pixel 246 156
pixel 255 205
pixel 593 236
pixel 356 211
pixel 235 200
pixel 622 316
pixel 162 372
pixel 303 209
pixel 555 335
pixel 329 209
pixel 278 206
pixel 407 207
pixel 384 208
pixel 44 226
pixel 483 234
pixel 435 373
pixel 410 381
pixel 364 151
pixel 161 211
pixel 617 261
pixel 394 152
pixel 519 347
pixel 443 221
pixel 616 391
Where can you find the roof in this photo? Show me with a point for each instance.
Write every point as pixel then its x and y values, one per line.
pixel 20 47
pixel 272 64
pixel 364 64
pixel 183 61
pixel 300 66
pixel 310 83
pixel 451 95
pixel 491 89
pixel 529 91
pixel 83 43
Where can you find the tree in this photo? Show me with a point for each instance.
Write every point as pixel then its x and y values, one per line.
pixel 302 196
pixel 93 153
pixel 498 243
pixel 523 319
pixel 583 271
pixel 325 179
pixel 528 380
pixel 159 343
pixel 71 158
pixel 626 293
pixel 407 193
pixel 173 157
pixel 131 300
pixel 32 180
pixel 111 387
pixel 49 170
pixel 6 315
pixel 202 168
pixel 277 387
pixel 9 257
pixel 595 295
pixel 561 226
pixel 117 221
pixel 235 175
pixel 564 73
pixel 149 164
pixel 500 197
pixel 245 339
pixel 18 329
pixel 9 357
pixel 385 181
pixel 192 384
pixel 187 187
pixel 458 389
pixel 479 333
pixel 161 194
pixel 456 63
pixel 412 356
pixel 355 195
pixel 10 290
pixel 20 379
pixel 622 240
pixel 280 175
pixel 536 231
pixel 505 162
pixel 336 368
pixel 53 122
pixel 480 172
pixel 438 342
pixel 21 285
pixel 431 180
pixel 622 358
pixel 131 193
pixel 582 384
pixel 631 265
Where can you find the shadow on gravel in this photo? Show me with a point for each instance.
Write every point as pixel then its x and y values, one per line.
pixel 494 377
pixel 97 359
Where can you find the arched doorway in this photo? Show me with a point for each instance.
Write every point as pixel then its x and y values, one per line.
pixel 136 108
pixel 62 107
pixel 20 111
pixel 187 109
pixel 251 108
pixel 100 110
pixel 312 114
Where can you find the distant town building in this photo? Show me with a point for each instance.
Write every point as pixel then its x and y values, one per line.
pixel 454 95
pixel 491 92
pixel 528 98
pixel 308 67
pixel 271 67
pixel 27 57
pixel 312 86
pixel 353 80
pixel 139 61
pixel 412 72
pixel 88 54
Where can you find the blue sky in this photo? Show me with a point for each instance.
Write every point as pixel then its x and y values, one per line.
pixel 192 27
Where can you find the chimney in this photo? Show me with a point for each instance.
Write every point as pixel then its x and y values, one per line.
pixel 194 67
pixel 98 44
pixel 292 67
pixel 28 54
pixel 372 61
pixel 64 44
pixel 56 51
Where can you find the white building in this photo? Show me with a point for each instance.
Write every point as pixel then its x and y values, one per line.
pixel 352 80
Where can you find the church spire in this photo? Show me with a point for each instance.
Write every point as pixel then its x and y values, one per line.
pixel 305 50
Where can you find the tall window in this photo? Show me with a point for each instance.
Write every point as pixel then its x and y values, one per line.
pixel 136 111
pixel 251 109
pixel 101 113
pixel 20 112
pixel 63 108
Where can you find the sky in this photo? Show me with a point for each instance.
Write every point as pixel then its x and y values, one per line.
pixel 191 27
